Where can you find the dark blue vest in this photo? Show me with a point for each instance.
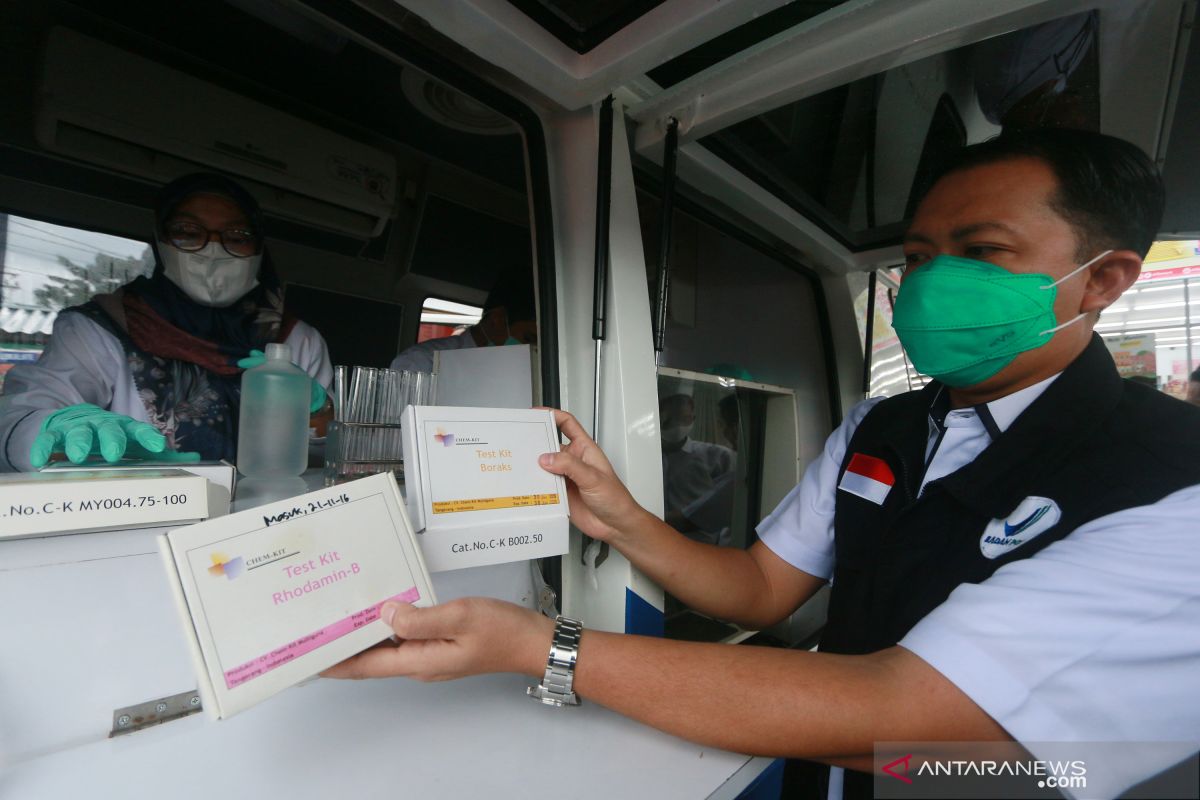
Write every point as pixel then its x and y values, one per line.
pixel 1092 443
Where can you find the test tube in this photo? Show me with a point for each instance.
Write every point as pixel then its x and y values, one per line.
pixel 339 392
pixel 418 392
pixel 394 415
pixel 355 399
pixel 371 381
pixel 384 435
pixel 370 405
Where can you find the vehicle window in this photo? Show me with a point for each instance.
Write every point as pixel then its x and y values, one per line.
pixel 891 371
pixel 381 192
pixel 734 310
pixel 706 424
pixel 856 157
pixel 715 50
pixel 718 437
pixel 1152 331
pixel 743 391
pixel 45 268
pixel 583 25
pixel 446 318
pixel 466 246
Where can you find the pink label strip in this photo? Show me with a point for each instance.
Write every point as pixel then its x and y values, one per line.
pixel 306 644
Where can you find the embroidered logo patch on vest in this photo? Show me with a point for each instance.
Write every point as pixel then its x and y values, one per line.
pixel 868 477
pixel 1034 516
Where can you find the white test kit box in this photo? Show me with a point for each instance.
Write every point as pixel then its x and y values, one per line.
pixel 476 493
pixel 222 473
pixel 271 596
pixel 83 501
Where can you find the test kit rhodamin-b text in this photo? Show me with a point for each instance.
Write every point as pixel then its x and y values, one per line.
pixel 273 595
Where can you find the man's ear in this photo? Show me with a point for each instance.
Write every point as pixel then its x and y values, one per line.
pixel 1109 279
pixel 485 321
pixel 494 324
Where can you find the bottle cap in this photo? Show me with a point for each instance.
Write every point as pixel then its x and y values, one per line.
pixel 279 352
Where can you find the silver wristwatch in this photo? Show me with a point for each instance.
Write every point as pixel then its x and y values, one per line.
pixel 555 689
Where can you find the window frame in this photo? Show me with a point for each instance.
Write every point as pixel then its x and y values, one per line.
pixel 50 219
pixel 421 310
pixel 381 34
pixel 648 181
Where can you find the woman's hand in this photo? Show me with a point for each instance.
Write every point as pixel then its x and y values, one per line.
pixel 601 506
pixel 85 429
pixel 471 636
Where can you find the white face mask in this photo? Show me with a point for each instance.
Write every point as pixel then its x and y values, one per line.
pixel 675 434
pixel 211 277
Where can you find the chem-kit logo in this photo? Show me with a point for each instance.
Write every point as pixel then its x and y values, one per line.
pixel 1033 517
pixel 452 440
pixel 224 565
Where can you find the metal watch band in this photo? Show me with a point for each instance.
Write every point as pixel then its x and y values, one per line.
pixel 555 689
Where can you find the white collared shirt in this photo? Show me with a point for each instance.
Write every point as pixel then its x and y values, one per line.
pixel 1094 638
pixel 958 438
pixel 800 529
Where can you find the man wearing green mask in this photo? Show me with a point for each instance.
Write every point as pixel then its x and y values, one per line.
pixel 509 317
pixel 1012 549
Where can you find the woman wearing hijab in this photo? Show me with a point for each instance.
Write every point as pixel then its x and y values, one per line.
pixel 154 370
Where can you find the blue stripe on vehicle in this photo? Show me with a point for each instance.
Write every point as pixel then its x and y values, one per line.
pixel 641 617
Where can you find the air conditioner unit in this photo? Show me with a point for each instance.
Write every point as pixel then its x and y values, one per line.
pixel 112 108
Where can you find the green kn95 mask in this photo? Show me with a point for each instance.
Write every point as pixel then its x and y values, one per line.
pixel 961 321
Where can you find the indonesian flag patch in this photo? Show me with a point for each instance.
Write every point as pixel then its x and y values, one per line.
pixel 868 477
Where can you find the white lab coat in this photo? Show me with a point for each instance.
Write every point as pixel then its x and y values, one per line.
pixel 84 363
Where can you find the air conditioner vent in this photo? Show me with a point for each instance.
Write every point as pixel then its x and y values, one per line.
pixel 109 107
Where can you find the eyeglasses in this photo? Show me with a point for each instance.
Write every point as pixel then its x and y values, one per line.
pixel 190 237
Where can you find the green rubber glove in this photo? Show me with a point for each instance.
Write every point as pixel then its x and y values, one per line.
pixel 85 429
pixel 256 359
pixel 316 398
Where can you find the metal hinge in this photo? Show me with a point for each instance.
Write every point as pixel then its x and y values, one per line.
pixel 154 712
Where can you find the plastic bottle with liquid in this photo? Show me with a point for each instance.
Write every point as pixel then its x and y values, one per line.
pixel 273 425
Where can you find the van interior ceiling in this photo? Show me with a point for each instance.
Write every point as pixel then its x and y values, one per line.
pixel 381 186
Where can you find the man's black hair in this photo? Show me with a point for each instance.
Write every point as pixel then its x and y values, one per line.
pixel 514 291
pixel 1109 191
pixel 1195 376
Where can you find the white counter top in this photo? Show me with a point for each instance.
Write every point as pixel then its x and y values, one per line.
pixel 87 626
